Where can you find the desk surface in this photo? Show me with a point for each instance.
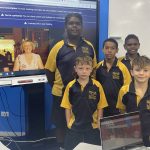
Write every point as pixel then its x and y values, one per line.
pixel 86 146
pixel 3 147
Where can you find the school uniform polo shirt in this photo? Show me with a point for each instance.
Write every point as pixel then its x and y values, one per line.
pixel 61 61
pixel 126 61
pixel 84 103
pixel 128 100
pixel 112 81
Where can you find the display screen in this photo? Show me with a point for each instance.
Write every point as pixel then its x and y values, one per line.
pixel 121 131
pixel 41 22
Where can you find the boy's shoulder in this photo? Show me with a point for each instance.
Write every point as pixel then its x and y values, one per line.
pixel 71 83
pixel 125 87
pixel 121 65
pixel 121 58
pixel 99 64
pixel 97 83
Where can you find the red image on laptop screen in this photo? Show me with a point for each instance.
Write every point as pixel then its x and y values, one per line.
pixel 121 131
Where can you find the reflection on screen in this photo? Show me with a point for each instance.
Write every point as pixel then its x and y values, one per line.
pixel 121 131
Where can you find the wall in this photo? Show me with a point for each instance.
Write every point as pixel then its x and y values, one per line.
pixel 130 16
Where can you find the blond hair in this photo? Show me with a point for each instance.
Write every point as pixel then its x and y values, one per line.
pixel 84 59
pixel 27 41
pixel 141 62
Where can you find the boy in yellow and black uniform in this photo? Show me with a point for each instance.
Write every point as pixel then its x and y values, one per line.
pixel 61 60
pixel 59 67
pixel 136 95
pixel 112 74
pixel 83 100
pixel 132 46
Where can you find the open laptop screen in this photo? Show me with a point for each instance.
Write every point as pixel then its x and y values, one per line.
pixel 121 131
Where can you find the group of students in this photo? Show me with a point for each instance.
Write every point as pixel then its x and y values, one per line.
pixel 79 100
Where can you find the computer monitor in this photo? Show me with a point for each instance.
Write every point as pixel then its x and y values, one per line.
pixel 42 22
pixel 121 131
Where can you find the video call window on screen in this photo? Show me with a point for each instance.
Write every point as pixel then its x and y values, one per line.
pixel 41 24
pixel 10 48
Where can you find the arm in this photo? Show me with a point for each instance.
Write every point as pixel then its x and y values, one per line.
pixel 6 69
pixel 120 104
pixel 102 103
pixel 50 76
pixel 16 65
pixel 100 115
pixel 5 65
pixel 66 104
pixel 68 115
pixel 94 60
pixel 50 66
pixel 94 64
pixel 40 63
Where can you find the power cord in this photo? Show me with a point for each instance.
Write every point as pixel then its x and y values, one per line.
pixel 30 141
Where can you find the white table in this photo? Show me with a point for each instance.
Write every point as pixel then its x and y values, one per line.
pixel 3 147
pixel 85 146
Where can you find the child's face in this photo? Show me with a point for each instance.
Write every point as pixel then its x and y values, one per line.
pixel 141 75
pixel 132 46
pixel 83 70
pixel 74 27
pixel 110 50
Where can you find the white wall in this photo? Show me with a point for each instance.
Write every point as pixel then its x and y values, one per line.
pixel 130 17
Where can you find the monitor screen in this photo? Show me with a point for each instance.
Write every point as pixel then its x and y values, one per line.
pixel 41 22
pixel 121 131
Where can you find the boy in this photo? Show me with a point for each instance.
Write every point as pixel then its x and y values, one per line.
pixel 83 101
pixel 136 95
pixel 112 74
pixel 59 67
pixel 132 46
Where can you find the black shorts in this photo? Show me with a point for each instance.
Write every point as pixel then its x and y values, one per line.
pixel 58 113
pixel 73 138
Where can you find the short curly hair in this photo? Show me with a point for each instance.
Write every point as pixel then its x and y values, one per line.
pixel 141 61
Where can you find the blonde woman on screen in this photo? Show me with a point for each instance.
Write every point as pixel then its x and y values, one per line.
pixel 28 60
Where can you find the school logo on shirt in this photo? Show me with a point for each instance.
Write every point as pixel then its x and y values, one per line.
pixel 85 50
pixel 115 75
pixel 148 104
pixel 92 95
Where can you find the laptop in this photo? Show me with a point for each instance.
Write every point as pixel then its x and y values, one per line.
pixel 121 132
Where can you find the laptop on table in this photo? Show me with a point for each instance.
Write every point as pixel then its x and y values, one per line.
pixel 121 132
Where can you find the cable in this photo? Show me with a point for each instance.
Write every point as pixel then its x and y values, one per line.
pixel 11 140
pixel 15 143
pixel 31 141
